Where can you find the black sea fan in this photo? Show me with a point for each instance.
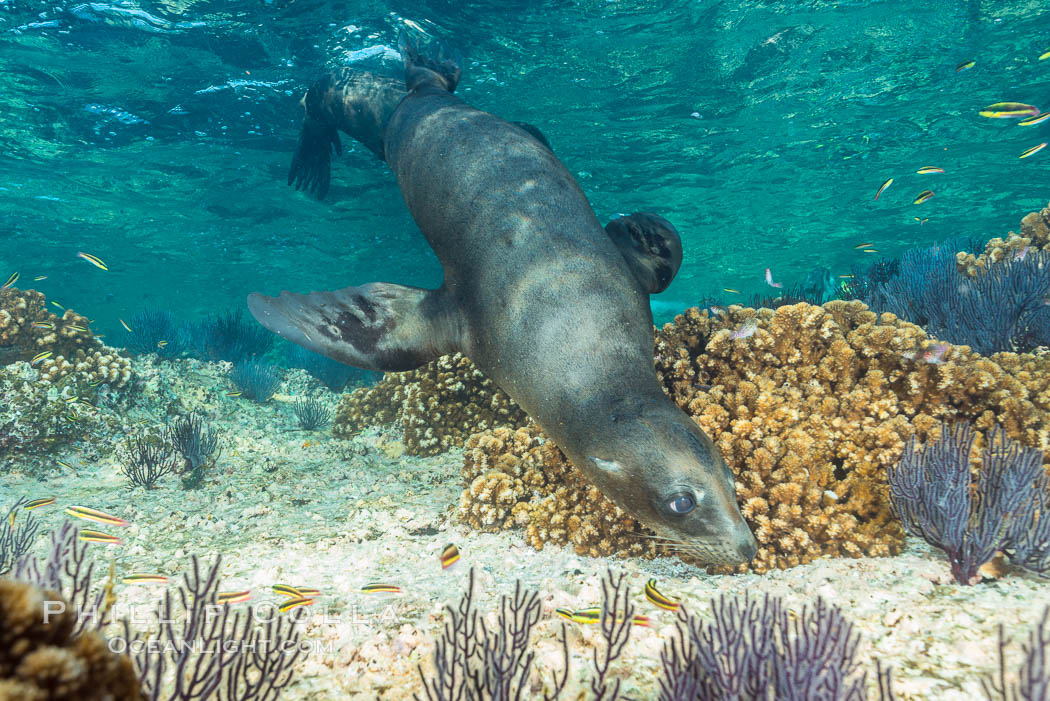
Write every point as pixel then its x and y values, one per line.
pixel 145 460
pixel 752 650
pixel 16 535
pixel 155 331
pixel 229 337
pixel 933 495
pixel 311 413
pixel 256 380
pixel 196 443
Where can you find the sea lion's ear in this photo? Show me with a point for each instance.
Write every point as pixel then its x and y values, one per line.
pixel 378 326
pixel 651 246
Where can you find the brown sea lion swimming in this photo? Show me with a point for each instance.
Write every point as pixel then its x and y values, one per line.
pixel 551 306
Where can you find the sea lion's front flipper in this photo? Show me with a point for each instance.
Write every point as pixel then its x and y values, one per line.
pixel 535 132
pixel 650 245
pixel 378 326
pixel 312 163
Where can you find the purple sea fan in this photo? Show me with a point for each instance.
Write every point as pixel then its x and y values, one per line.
pixel 932 493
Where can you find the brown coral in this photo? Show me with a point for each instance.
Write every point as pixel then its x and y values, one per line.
pixel 809 410
pixel 440 405
pixel 27 329
pixel 1035 234
pixel 43 660
pixel 516 477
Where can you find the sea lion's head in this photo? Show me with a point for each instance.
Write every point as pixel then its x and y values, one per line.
pixel 659 466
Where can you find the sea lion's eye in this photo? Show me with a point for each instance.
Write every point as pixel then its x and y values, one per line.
pixel 682 504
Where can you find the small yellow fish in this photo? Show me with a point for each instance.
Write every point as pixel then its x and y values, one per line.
pixel 37 503
pixel 234 394
pixel 845 276
pixel 95 515
pixel 923 196
pixel 883 187
pixel 161 344
pixel 71 400
pixel 1045 55
pixel 927 170
pixel 94 260
pixel 287 590
pixel 564 613
pixel 587 615
pixel 125 325
pixel 67 466
pixel 449 556
pixel 59 306
pixel 1034 150
pixel 42 325
pixel 40 357
pixel 871 250
pixel 862 245
pixel 658 599
pixel 233 597
pixel 377 588
pixel 965 66
pixel 38 278
pixel 145 579
pixel 309 591
pixel 90 536
pixel 11 519
pixel 10 281
pixel 730 289
pixel 294 603
pixel 1009 110
pixel 1032 121
pixel 75 327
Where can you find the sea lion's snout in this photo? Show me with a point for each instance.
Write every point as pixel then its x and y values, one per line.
pixel 670 475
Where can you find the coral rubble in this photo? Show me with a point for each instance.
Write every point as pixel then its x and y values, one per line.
pixel 440 405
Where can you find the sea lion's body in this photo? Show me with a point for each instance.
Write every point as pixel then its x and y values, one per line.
pixel 541 298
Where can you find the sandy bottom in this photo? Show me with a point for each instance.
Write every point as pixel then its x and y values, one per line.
pixel 288 506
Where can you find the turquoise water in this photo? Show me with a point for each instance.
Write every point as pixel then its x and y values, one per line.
pixel 159 141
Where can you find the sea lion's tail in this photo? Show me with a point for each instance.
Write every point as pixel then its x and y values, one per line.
pixel 425 66
pixel 378 326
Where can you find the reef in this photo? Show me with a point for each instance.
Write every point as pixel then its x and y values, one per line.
pixel 1035 235
pixel 28 329
pixel 809 405
pixel 516 477
pixel 49 660
pixel 440 405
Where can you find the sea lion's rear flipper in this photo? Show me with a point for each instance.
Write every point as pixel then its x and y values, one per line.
pixel 535 132
pixel 650 245
pixel 378 326
pixel 312 163
pixel 424 68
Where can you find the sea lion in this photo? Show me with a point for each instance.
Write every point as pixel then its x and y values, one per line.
pixel 551 306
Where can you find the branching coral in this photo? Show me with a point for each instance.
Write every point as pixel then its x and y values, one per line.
pixel 517 477
pixel 809 410
pixel 1034 236
pixel 42 658
pixel 440 404
pixel 28 329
